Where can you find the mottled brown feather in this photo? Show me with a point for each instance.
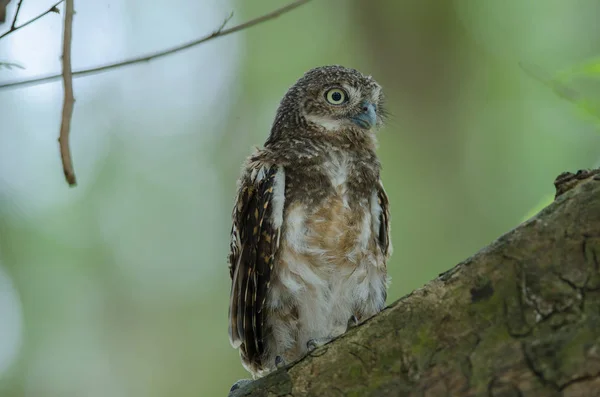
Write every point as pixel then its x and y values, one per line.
pixel 253 246
pixel 384 220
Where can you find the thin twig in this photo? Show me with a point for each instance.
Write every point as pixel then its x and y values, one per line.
pixel 220 32
pixel 69 100
pixel 14 28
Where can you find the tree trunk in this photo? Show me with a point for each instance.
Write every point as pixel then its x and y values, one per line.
pixel 519 318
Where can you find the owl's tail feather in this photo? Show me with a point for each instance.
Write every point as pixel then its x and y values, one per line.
pixel 234 334
pixel 245 323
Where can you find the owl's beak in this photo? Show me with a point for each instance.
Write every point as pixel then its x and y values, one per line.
pixel 367 118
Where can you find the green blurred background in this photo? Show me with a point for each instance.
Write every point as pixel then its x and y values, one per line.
pixel 120 287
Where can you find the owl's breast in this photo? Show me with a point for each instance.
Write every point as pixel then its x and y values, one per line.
pixel 334 235
pixel 330 219
pixel 329 265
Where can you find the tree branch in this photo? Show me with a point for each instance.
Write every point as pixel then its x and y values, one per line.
pixel 14 28
pixel 220 32
pixel 519 318
pixel 69 100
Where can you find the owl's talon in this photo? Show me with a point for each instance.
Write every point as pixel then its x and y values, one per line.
pixel 312 344
pixel 237 385
pixel 352 321
pixel 279 362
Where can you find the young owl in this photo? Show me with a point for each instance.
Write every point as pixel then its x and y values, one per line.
pixel 311 226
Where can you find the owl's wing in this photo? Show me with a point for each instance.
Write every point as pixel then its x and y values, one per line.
pixel 383 236
pixel 257 219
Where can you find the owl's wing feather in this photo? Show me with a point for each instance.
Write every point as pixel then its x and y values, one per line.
pixel 384 221
pixel 254 242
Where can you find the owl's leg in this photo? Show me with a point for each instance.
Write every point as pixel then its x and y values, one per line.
pixel 338 330
pixel 373 304
pixel 312 344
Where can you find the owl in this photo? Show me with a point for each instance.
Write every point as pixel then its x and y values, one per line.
pixel 311 223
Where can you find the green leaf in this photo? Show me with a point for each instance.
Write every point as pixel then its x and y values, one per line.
pixel 559 82
pixel 589 68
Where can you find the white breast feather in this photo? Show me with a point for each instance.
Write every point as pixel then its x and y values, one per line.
pixel 375 212
pixel 366 232
pixel 278 198
pixel 337 169
pixel 295 237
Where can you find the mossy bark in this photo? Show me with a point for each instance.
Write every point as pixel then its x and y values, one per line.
pixel 519 318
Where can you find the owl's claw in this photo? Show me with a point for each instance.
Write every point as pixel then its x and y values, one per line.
pixel 352 321
pixel 279 362
pixel 237 385
pixel 312 344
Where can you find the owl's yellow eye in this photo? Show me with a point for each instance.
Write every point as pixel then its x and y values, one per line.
pixel 336 96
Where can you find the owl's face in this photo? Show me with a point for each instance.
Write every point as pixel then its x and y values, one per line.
pixel 336 98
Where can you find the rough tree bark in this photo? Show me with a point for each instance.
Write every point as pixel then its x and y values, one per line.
pixel 519 318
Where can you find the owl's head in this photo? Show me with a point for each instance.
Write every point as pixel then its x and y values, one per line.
pixel 334 98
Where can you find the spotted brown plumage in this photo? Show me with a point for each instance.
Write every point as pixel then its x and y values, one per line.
pixel 384 238
pixel 310 236
pixel 253 244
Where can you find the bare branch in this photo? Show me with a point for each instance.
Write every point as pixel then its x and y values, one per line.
pixel 69 100
pixel 14 28
pixel 220 32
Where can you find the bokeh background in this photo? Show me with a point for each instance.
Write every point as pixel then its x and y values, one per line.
pixel 119 287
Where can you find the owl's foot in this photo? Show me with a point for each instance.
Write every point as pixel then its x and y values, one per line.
pixel 352 322
pixel 314 343
pixel 238 385
pixel 279 362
